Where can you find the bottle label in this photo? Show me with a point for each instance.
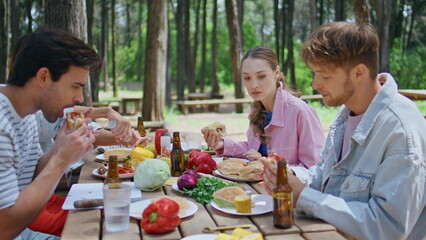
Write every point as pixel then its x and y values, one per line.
pixel 283 195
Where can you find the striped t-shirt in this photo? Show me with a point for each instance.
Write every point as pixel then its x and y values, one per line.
pixel 19 152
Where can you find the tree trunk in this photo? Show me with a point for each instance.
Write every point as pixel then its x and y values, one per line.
pixel 3 42
pixel 187 42
pixel 321 12
pixel 94 75
pixel 410 29
pixel 383 21
pixel 277 21
pixel 28 6
pixel 203 47
pixel 113 46
pixel 138 60
pixel 290 56
pixel 104 43
pixel 240 8
pixel 15 20
pixel 339 7
pixel 193 59
pixel 128 24
pixel 362 11
pixel 214 83
pixel 313 14
pixel 181 74
pixel 169 68
pixel 155 59
pixel 283 24
pixel 235 48
pixel 70 16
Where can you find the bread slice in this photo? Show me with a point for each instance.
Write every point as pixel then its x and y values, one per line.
pixel 216 128
pixel 225 197
pixel 74 120
pixel 119 152
pixel 231 166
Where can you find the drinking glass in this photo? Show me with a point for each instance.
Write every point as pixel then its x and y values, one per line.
pixel 116 206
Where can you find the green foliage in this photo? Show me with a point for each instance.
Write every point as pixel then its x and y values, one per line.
pixel 409 66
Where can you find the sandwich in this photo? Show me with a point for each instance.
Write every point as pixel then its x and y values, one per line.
pixel 216 128
pixel 74 120
pixel 119 152
pixel 225 197
pixel 240 168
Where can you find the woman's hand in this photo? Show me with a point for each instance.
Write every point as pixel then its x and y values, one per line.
pixel 213 141
pixel 253 155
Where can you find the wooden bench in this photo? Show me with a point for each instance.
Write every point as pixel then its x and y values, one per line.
pixel 185 104
pixel 136 101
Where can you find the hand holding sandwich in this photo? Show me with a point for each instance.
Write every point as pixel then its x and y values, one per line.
pixel 71 146
pixel 213 134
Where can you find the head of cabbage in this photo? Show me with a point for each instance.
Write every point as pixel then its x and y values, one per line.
pixel 151 174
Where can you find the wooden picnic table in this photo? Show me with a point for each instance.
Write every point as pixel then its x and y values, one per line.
pixel 136 101
pixel 89 224
pixel 413 94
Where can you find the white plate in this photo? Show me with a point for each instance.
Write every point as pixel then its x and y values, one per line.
pixel 262 204
pixel 122 176
pixel 82 191
pixel 137 208
pixel 201 237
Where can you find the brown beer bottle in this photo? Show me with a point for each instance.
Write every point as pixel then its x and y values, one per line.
pixel 283 198
pixel 112 176
pixel 177 156
pixel 141 130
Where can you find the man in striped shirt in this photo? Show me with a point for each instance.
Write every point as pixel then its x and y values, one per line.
pixel 48 74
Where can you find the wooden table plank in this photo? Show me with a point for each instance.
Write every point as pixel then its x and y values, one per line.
pixel 88 222
pixel 312 225
pixel 285 237
pixel 323 236
pixel 230 220
pixel 132 232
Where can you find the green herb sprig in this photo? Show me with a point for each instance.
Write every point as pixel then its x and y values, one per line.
pixel 205 188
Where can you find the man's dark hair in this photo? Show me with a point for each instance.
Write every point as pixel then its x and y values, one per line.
pixel 56 50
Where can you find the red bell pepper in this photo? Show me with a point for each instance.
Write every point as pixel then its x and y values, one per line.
pixel 201 162
pixel 160 216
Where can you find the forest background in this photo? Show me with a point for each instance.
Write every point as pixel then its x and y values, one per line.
pixel 167 49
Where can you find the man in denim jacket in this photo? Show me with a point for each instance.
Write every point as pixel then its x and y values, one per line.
pixel 370 182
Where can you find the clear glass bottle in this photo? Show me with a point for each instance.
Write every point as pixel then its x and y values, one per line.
pixel 177 156
pixel 112 176
pixel 141 130
pixel 283 198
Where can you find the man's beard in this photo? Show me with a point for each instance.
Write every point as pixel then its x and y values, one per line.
pixel 341 99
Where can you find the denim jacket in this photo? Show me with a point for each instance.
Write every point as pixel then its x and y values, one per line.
pixel 377 191
pixel 295 133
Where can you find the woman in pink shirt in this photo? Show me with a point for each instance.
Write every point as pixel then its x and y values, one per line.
pixel 279 122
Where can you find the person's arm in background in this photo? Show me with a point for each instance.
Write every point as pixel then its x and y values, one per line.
pixel 123 128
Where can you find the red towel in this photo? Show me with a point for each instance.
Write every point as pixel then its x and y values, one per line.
pixel 51 219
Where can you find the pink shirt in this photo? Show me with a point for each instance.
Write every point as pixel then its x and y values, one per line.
pixel 295 133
